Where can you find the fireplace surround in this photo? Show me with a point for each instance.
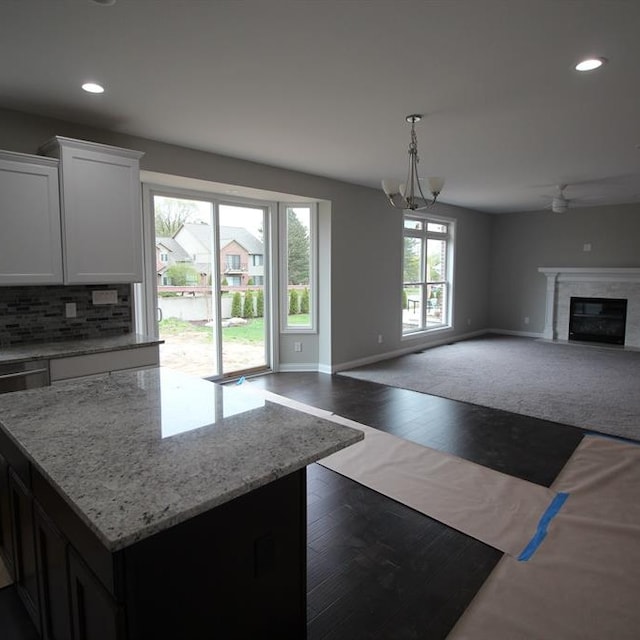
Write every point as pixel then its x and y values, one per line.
pixel 563 283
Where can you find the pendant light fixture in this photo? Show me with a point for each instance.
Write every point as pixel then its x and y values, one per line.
pixel 409 195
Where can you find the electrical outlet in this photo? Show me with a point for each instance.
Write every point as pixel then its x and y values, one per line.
pixel 468 322
pixel 70 310
pixel 104 296
pixel 297 346
pixel 526 319
pixel 586 246
pixel 380 338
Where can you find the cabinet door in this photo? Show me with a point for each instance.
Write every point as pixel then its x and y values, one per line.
pixel 6 533
pixel 30 242
pixel 101 213
pixel 94 615
pixel 51 552
pixel 25 551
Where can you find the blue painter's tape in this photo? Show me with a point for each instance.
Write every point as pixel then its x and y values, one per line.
pixel 541 532
pixel 241 379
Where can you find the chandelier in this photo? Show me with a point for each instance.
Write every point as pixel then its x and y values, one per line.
pixel 409 195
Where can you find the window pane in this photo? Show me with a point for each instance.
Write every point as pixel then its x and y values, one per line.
pixel 413 223
pixel 437 227
pixel 436 260
pixel 299 267
pixel 412 260
pixel 412 306
pixel 436 304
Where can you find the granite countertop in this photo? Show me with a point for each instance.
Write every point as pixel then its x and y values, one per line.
pixel 136 452
pixel 66 348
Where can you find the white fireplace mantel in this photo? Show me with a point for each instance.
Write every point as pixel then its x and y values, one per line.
pixel 589 274
pixel 596 281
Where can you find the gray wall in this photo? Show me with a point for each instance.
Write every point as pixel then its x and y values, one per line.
pixel 522 242
pixel 360 259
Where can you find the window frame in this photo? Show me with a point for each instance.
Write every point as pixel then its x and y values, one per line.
pixel 424 235
pixel 285 327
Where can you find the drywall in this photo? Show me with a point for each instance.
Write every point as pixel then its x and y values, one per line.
pixel 522 242
pixel 360 254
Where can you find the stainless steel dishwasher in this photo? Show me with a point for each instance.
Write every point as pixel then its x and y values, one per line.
pixel 17 376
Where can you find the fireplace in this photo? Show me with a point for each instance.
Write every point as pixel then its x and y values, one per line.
pixel 598 319
pixel 564 283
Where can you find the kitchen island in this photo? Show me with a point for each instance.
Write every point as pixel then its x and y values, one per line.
pixel 151 504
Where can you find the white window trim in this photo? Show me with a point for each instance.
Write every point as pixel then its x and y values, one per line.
pixel 450 237
pixel 284 275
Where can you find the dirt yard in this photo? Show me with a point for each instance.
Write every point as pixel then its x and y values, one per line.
pixel 194 356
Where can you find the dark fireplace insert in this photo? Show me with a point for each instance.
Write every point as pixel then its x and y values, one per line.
pixel 598 319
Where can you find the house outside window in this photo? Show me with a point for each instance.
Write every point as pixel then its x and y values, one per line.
pixel 257 260
pixel 164 257
pixel 427 273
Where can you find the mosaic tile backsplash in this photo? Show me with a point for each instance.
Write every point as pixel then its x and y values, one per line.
pixel 37 314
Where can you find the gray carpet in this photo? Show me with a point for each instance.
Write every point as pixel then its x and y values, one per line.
pixel 592 387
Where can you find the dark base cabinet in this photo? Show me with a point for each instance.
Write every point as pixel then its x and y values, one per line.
pixel 6 519
pixel 94 614
pixel 26 570
pixel 51 554
pixel 237 571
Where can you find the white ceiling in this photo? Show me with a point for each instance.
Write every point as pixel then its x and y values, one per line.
pixel 323 86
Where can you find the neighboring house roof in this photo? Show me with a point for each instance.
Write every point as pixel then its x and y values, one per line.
pixel 199 231
pixel 243 237
pixel 202 234
pixel 177 253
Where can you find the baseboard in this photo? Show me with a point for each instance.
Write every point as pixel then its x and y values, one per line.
pixel 300 366
pixel 416 346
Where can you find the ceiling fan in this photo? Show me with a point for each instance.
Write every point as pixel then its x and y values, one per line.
pixel 560 203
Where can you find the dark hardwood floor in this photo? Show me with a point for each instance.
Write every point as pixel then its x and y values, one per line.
pixel 378 569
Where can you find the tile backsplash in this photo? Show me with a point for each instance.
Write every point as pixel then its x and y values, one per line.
pixel 37 314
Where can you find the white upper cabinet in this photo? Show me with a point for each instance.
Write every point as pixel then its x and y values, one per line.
pixel 101 211
pixel 30 238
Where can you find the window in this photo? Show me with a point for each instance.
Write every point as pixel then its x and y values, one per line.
pixel 298 267
pixel 164 257
pixel 427 269
pixel 232 262
pixel 257 260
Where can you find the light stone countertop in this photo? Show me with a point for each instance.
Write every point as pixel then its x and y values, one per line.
pixel 136 452
pixel 66 348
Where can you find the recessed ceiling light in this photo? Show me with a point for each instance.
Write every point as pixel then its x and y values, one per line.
pixel 105 3
pixel 93 87
pixel 589 64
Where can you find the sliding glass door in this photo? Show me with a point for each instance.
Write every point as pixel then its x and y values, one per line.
pixel 212 285
pixel 244 308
